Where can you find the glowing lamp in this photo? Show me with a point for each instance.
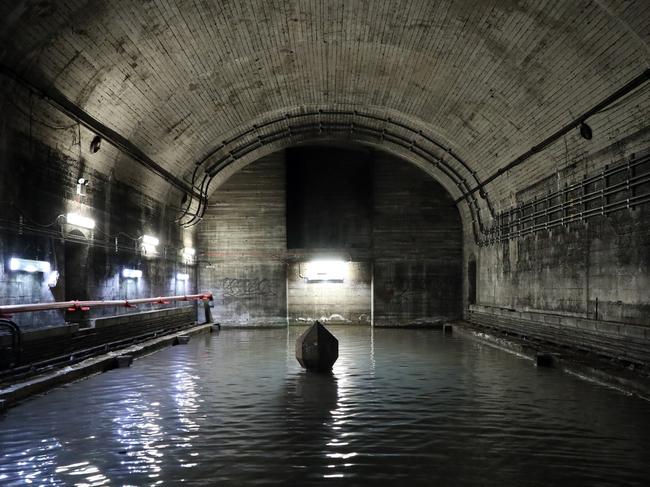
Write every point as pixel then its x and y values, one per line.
pixel 326 271
pixel 80 221
pixel 31 266
pixel 149 240
pixel 131 273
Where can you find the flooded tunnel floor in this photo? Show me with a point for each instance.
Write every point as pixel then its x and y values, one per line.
pixel 401 406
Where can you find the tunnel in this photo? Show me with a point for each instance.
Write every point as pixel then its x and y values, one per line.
pixel 459 191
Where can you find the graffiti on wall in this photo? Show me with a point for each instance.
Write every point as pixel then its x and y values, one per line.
pixel 246 288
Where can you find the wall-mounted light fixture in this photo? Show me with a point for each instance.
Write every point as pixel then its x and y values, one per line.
pixel 31 266
pixel 81 186
pixel 326 271
pixel 80 221
pixel 188 254
pixel 149 244
pixel 131 273
pixel 181 276
pixel 149 240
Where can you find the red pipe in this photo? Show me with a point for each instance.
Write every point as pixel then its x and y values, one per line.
pixel 8 310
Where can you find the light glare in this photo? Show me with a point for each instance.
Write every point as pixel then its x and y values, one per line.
pixel 80 220
pixel 181 276
pixel 26 265
pixel 326 270
pixel 150 240
pixel 131 273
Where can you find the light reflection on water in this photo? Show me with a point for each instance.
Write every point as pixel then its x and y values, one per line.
pixel 400 406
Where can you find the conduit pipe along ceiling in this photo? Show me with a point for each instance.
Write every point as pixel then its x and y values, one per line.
pixel 471 88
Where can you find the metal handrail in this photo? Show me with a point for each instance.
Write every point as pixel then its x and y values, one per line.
pixel 7 311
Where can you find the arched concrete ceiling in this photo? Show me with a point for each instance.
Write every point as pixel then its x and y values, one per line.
pixel 485 79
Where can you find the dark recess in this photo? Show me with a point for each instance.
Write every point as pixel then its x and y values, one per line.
pixel 329 198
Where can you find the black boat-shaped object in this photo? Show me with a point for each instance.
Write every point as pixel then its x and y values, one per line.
pixel 317 349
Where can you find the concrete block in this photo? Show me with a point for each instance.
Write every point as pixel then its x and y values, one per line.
pixel 123 361
pixel 609 328
pixel 552 319
pixel 545 359
pixel 182 340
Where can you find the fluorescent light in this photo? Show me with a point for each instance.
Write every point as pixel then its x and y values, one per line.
pixel 149 240
pixel 131 273
pixel 26 265
pixel 181 276
pixel 326 270
pixel 80 220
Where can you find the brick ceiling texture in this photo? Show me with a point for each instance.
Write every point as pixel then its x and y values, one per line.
pixel 188 82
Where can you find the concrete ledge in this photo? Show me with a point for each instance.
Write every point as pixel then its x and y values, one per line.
pixel 590 367
pixel 15 393
pixel 621 341
pixel 143 315
pixel 51 332
pixel 436 322
pixel 47 343
pixel 436 325
pixel 259 326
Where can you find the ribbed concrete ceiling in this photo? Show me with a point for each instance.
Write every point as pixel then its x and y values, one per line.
pixel 486 78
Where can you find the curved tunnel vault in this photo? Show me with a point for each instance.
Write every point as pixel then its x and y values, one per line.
pixel 394 134
pixel 532 115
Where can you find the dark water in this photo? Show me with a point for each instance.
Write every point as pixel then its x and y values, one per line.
pixel 402 407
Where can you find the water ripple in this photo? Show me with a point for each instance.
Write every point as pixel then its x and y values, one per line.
pixel 400 406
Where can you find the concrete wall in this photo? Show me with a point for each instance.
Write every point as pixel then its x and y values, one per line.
pixel 242 243
pixel 38 175
pixel 396 223
pixel 329 198
pixel 347 302
pixel 598 269
pixel 417 244
pixel 591 276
